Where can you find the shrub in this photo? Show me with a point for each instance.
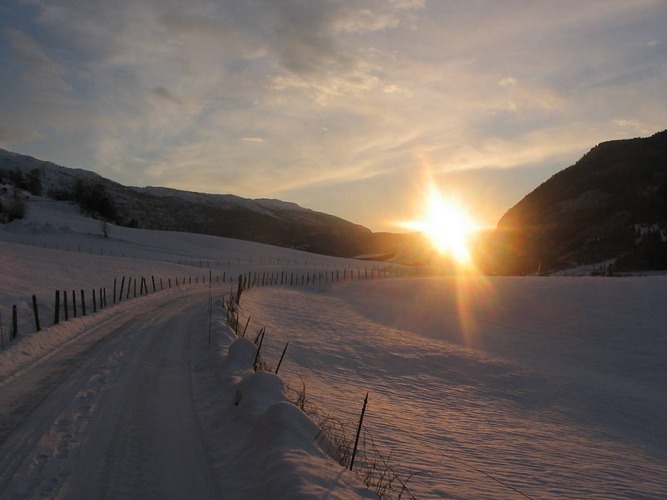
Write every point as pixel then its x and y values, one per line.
pixel 16 209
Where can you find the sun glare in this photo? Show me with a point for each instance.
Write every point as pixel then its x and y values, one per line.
pixel 446 225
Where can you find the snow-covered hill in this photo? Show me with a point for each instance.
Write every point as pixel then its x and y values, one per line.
pixel 266 221
pixel 263 206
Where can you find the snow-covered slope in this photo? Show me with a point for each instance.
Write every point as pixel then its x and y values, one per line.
pixel 52 176
pixel 266 221
pixel 262 205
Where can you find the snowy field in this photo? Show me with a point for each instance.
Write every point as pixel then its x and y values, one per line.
pixel 479 387
pixel 554 386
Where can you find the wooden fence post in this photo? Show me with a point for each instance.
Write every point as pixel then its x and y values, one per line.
pixel 15 323
pixel 356 441
pixel 281 358
pixel 246 326
pixel 259 347
pixel 153 278
pixel 74 302
pixel 34 308
pixel 94 302
pixel 65 304
pixel 56 314
pixel 83 303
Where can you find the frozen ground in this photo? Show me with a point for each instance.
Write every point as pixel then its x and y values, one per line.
pixel 481 388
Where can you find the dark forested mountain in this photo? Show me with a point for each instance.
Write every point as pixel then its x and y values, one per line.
pixel 266 221
pixel 610 206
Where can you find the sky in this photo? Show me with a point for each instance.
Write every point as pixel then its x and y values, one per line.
pixel 346 107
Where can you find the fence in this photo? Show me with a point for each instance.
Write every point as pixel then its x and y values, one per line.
pixel 69 304
pixel 228 262
pixel 375 469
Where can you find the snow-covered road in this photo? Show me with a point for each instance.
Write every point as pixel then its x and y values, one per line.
pixel 111 413
pixel 142 400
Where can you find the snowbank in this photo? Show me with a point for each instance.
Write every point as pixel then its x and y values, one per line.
pixel 292 455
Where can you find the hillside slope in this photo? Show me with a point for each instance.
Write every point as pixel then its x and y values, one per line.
pixel 265 221
pixel 610 206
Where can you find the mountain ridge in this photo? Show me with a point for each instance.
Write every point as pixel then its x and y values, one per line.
pixel 609 207
pixel 263 220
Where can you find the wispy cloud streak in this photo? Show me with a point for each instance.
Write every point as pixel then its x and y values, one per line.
pixel 291 98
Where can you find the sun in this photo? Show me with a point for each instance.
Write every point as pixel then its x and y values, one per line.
pixel 444 222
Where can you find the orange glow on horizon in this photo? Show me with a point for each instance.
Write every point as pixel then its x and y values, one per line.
pixel 446 224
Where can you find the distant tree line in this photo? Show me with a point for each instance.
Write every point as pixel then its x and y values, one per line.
pixel 13 207
pixel 92 198
pixel 29 181
pixel 12 210
pixel 649 252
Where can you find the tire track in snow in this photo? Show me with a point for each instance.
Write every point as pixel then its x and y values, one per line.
pixel 153 444
pixel 107 394
pixel 28 431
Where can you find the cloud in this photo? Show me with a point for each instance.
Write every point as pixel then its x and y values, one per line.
pixel 167 95
pixel 12 135
pixel 363 17
pixel 184 93
pixel 40 71
pixel 623 122
pixel 507 82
